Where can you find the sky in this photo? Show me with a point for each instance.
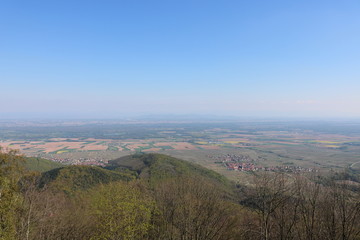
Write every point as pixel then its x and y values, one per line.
pixel 108 59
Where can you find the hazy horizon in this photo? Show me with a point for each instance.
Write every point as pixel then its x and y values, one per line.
pixel 256 59
pixel 158 118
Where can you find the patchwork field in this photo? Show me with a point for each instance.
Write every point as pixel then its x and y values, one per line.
pixel 311 145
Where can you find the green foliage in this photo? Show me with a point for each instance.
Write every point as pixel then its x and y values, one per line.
pixel 173 199
pixel 10 197
pixel 40 164
pixel 121 211
pixel 73 178
pixel 194 208
pixel 158 166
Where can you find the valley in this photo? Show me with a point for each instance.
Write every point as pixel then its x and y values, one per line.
pixel 231 148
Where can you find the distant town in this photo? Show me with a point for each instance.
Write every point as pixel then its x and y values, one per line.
pixel 246 164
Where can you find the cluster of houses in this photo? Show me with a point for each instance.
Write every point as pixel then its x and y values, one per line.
pixel 90 162
pixel 239 162
pixel 232 158
pixel 245 166
pixel 250 167
pixel 80 161
pixel 59 160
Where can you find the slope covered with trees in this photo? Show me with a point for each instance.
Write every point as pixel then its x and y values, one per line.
pixel 157 167
pixel 40 164
pixel 73 178
pixel 154 196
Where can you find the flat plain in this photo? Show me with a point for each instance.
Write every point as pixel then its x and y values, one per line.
pixel 300 146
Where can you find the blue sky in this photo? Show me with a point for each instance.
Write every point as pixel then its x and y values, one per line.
pixel 244 58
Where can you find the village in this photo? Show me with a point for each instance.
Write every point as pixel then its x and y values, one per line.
pixel 247 164
pixel 250 167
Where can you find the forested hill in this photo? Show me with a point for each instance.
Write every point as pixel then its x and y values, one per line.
pixel 150 167
pixel 73 178
pixel 154 196
pixel 40 164
pixel 159 166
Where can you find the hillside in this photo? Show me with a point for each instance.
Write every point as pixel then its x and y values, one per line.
pixel 72 178
pixel 40 164
pixel 158 166
pixel 154 167
pixel 174 200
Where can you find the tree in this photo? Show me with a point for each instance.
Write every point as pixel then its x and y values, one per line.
pixel 340 212
pixel 269 198
pixel 193 208
pixel 120 211
pixel 10 197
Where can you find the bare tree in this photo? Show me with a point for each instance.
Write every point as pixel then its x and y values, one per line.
pixel 193 208
pixel 309 196
pixel 340 212
pixel 269 199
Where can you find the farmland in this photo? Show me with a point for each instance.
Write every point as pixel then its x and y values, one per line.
pixel 275 145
